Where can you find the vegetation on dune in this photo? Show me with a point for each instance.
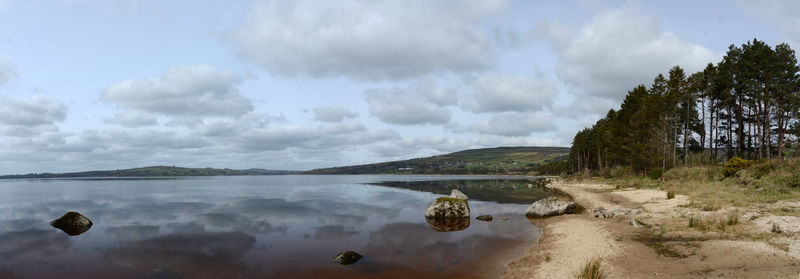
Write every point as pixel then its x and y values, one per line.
pixel 500 160
pixel 724 136
pixel 764 181
pixel 746 106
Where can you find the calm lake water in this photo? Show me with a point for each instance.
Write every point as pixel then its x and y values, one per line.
pixel 260 227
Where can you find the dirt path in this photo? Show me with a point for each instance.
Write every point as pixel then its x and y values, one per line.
pixel 665 248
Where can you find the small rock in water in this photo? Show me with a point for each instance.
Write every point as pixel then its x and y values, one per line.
pixel 636 211
pixel 456 194
pixel 347 257
pixel 72 223
pixel 635 223
pixel 505 218
pixel 530 186
pixel 486 218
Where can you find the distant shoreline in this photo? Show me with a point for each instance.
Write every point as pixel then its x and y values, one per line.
pixel 153 171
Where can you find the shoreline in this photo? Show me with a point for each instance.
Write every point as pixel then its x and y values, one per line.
pixel 661 249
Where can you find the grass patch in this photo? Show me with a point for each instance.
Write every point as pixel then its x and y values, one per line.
pixel 547 257
pixel 764 181
pixel 593 269
pixel 733 218
pixel 664 250
pixel 670 195
pixel 714 224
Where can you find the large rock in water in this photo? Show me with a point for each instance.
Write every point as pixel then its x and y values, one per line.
pixel 72 223
pixel 447 207
pixel 456 194
pixel 551 206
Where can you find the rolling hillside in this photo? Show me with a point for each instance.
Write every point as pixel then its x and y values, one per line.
pixel 151 172
pixel 499 160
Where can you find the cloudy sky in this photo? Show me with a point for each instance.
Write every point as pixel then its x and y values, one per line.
pixel 110 84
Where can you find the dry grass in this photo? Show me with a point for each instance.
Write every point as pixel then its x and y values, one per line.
pixel 593 269
pixel 765 181
pixel 723 224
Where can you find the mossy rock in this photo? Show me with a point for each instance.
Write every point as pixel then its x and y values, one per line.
pixel 446 207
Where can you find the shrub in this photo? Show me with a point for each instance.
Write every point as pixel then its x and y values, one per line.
pixel 793 181
pixel 656 173
pixel 593 269
pixel 734 165
pixel 670 195
pixel 733 218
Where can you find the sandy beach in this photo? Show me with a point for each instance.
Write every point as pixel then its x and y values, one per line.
pixel 664 246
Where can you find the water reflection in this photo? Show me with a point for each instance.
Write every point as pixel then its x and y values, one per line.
pixel 448 224
pixel 133 232
pixel 523 191
pixel 33 244
pixel 249 227
pixel 333 233
pixel 198 255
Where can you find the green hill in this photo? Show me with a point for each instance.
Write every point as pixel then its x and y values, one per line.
pixel 151 172
pixel 499 160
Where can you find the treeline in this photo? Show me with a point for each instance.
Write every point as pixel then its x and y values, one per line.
pixel 747 106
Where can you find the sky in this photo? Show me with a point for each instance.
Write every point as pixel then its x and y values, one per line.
pixel 297 85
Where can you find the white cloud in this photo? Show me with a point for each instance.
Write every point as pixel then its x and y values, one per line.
pixel 7 69
pixel 504 93
pixel 333 114
pixel 620 49
pixel 514 125
pixel 335 136
pixel 133 119
pixel 189 92
pixel 418 104
pixel 367 40
pixel 33 111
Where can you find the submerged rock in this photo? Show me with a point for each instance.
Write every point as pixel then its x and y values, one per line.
pixel 347 257
pixel 456 194
pixel 72 223
pixel 486 218
pixel 447 207
pixel 448 224
pixel 551 206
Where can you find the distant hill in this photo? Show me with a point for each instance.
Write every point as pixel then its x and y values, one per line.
pixel 498 160
pixel 152 171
